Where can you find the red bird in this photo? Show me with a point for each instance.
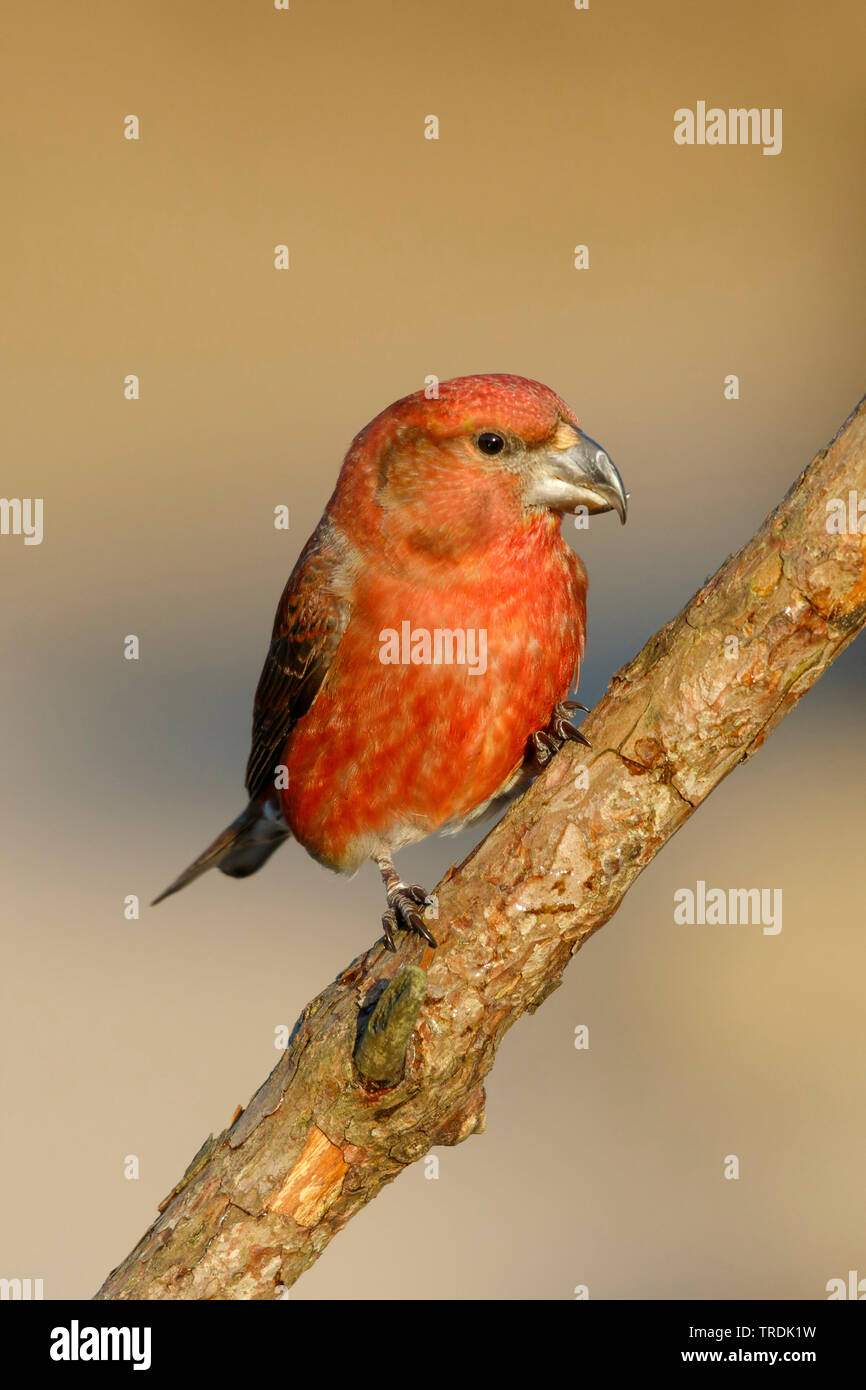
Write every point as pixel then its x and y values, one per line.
pixel 427 637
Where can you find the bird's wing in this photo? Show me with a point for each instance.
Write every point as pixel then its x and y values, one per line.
pixel 308 627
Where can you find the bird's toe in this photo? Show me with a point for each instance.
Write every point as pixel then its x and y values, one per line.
pixel 403 914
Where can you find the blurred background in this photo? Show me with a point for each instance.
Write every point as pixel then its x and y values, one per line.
pixel 412 257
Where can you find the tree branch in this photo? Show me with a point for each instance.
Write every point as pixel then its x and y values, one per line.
pixel 367 1084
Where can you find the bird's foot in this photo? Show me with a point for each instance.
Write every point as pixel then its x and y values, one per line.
pixel 549 740
pixel 404 900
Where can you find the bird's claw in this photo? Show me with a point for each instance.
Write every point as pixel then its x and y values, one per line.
pixel 402 914
pixel 549 740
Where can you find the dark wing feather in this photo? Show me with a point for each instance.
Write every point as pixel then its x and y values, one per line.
pixel 308 627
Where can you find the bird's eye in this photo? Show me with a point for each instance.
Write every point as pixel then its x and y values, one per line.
pixel 490 443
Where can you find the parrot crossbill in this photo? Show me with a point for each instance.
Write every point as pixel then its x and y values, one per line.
pixel 428 636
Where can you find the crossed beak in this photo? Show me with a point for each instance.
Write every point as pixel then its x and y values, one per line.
pixel 581 475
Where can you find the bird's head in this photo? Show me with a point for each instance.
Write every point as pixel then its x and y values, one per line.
pixel 479 454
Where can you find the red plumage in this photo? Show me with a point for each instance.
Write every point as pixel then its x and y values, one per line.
pixel 442 540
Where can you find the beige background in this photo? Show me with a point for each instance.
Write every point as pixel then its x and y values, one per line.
pixel 412 257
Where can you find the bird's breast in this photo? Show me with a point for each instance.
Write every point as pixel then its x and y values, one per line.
pixel 434 690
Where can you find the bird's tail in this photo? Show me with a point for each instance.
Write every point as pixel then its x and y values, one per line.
pixel 243 846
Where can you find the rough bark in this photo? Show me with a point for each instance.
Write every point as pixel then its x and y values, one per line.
pixel 318 1140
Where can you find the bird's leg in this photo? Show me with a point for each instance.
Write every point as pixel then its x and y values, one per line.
pixel 403 903
pixel 547 741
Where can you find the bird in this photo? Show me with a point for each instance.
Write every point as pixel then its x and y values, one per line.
pixel 427 637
